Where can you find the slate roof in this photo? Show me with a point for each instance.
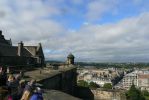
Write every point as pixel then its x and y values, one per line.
pixel 143 76
pixel 6 49
pixel 31 49
pixel 70 55
pixel 28 51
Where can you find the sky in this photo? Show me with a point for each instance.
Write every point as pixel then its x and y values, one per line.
pixel 93 30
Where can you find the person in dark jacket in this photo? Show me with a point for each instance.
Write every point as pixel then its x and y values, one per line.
pixel 20 89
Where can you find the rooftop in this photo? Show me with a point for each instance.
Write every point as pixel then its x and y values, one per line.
pixel 143 76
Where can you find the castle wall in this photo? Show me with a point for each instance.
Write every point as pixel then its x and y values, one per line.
pixel 68 80
pixel 100 94
pixel 16 60
pixel 63 80
pixel 86 93
pixel 53 82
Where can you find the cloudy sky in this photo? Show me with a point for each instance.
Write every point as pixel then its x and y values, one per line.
pixel 93 30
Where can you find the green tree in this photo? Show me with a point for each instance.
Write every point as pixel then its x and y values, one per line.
pixel 107 86
pixel 83 83
pixel 93 85
pixel 134 94
pixel 146 94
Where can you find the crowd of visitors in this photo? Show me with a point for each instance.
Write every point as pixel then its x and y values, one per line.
pixel 14 87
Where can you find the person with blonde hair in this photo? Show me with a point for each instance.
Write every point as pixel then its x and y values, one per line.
pixel 11 78
pixel 10 81
pixel 13 84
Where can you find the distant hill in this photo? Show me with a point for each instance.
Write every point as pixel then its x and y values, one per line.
pixel 115 65
pixel 54 61
pixel 105 65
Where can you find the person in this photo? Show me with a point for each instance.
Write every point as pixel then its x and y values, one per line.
pixel 10 98
pixel 17 78
pixel 21 74
pixel 37 95
pixel 3 76
pixel 12 84
pixel 1 70
pixel 20 89
pixel 28 90
pixel 4 93
pixel 8 70
pixel 26 95
pixel 10 81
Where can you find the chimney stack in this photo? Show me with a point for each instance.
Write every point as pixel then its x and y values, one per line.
pixel 0 32
pixel 20 49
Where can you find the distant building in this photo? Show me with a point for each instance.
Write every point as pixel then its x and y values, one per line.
pixel 130 79
pixel 143 81
pixel 139 78
pixel 101 81
pixel 68 63
pixel 20 55
pixel 100 76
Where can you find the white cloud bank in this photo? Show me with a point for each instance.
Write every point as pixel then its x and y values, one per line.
pixel 31 21
pixel 126 40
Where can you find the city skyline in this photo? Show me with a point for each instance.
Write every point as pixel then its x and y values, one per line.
pixel 93 30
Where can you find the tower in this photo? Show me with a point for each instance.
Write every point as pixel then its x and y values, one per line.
pixel 70 59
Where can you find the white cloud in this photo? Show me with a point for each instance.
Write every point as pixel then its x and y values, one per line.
pixel 25 20
pixel 31 21
pixel 96 8
pixel 125 39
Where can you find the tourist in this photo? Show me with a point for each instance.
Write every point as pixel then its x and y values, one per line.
pixel 1 69
pixel 12 86
pixel 37 95
pixel 10 98
pixel 3 77
pixel 8 70
pixel 26 95
pixel 3 93
pixel 28 90
pixel 18 78
pixel 21 74
pixel 10 80
pixel 31 85
pixel 20 89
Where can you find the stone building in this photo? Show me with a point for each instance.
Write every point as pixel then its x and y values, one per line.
pixel 70 59
pixel 20 55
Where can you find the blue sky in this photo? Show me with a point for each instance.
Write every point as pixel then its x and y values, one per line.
pixel 93 30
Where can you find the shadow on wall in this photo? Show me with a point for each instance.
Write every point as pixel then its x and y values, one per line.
pixel 84 93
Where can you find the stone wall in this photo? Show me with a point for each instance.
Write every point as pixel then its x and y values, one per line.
pixel 63 80
pixel 86 93
pixel 100 94
pixel 17 60
pixel 53 82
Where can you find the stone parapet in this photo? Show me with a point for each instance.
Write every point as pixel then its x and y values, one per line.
pixel 63 80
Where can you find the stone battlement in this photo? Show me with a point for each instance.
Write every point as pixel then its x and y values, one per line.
pixel 63 79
